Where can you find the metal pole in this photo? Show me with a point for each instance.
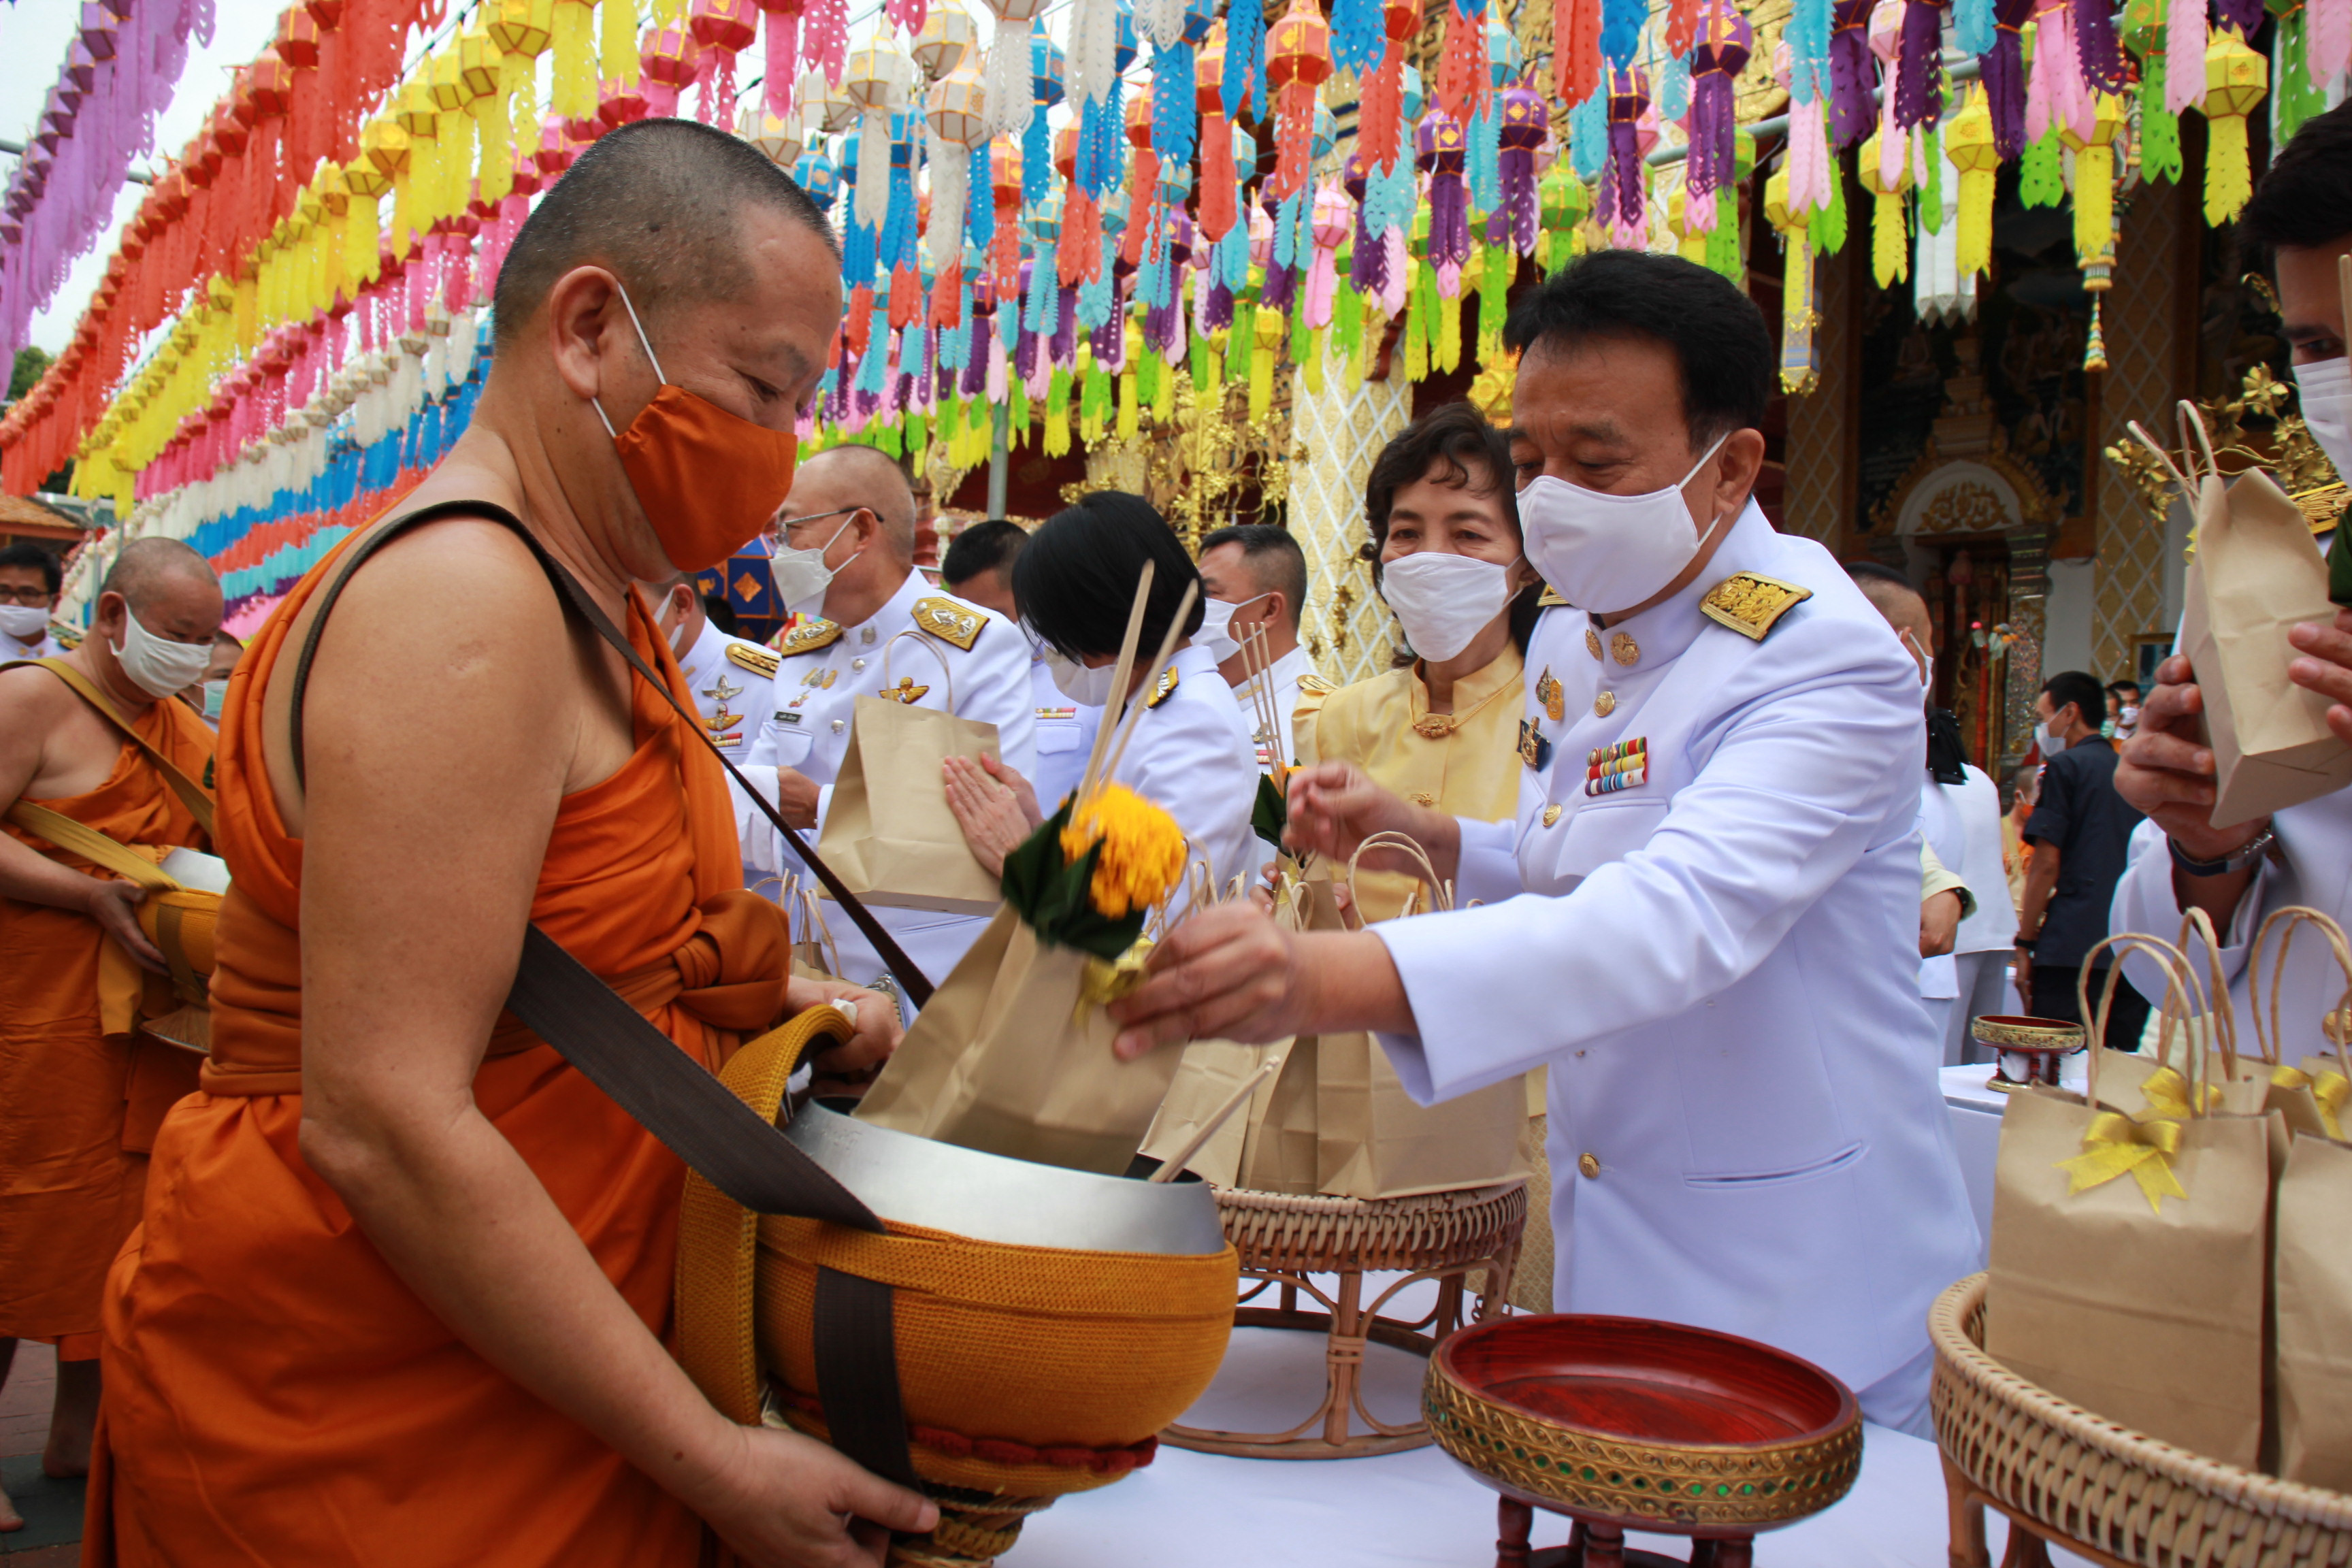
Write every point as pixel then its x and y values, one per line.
pixel 999 461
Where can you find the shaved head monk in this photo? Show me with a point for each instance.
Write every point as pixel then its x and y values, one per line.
pixel 404 1277
pixel 81 1090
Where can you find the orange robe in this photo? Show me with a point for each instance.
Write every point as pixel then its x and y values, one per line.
pixel 80 1095
pixel 274 1392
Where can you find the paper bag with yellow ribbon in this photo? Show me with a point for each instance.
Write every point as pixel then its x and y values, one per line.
pixel 1269 1147
pixel 2129 1269
pixel 1371 1140
pixel 887 830
pixel 2313 1283
pixel 1012 1054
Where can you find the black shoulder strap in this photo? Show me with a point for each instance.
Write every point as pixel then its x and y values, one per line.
pixel 674 1097
pixel 911 980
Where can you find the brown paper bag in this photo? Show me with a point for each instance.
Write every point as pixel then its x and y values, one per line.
pixel 2314 1315
pixel 816 955
pixel 2256 573
pixel 1371 1140
pixel 889 832
pixel 2141 1305
pixel 1007 1059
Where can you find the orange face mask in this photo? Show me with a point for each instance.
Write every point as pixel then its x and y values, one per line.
pixel 708 479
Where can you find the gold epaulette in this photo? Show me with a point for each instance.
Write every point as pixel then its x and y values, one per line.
pixel 1167 685
pixel 751 657
pixel 1750 604
pixel 949 621
pixel 1549 599
pixel 807 638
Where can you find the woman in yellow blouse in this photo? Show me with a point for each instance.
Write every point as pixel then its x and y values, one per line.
pixel 1442 728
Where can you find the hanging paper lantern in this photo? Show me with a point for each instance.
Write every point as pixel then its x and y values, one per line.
pixel 878 80
pixel 1299 60
pixel 1575 49
pixel 1719 54
pixel 1890 234
pixel 1969 143
pixel 1854 72
pixel 1218 177
pixel 1800 314
pixel 955 111
pixel 780 33
pixel 778 139
pixel 837 111
pixel 2235 80
pixel 1007 71
pixel 2095 187
pixel 671 59
pixel 1526 126
pixel 1380 112
pixel 1464 85
pixel 948 42
pixel 2003 69
pixel 816 174
pixel 1624 194
pixel 1439 151
pixel 724 28
pixel 2055 92
pixel 1564 207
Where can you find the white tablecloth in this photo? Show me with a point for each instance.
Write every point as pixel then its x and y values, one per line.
pixel 1415 1510
pixel 1976 1112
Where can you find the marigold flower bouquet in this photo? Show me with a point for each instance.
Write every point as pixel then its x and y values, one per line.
pixel 1012 1056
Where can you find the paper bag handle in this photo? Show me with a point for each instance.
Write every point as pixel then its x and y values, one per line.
pixel 2274 1040
pixel 928 645
pixel 2181 986
pixel 1440 890
pixel 2217 988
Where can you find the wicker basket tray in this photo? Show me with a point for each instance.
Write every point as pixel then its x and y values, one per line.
pixel 2097 1489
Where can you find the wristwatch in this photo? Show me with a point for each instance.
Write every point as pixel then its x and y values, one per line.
pixel 2237 860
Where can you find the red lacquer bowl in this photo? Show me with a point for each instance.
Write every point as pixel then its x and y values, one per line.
pixel 1646 1425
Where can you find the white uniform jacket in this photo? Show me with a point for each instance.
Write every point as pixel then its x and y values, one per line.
pixel 1065 734
pixel 1191 753
pixel 822 670
pixel 731 678
pixel 1970 814
pixel 1717 956
pixel 2311 865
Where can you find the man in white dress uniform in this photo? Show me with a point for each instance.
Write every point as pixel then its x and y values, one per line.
pixel 978 566
pixel 846 561
pixel 728 676
pixel 1704 919
pixel 1254 575
pixel 2238 875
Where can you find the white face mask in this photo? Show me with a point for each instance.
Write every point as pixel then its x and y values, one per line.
pixel 2325 390
pixel 216 693
pixel 158 667
pixel 1607 552
pixel 26 623
pixel 2051 740
pixel 800 575
pixel 1087 688
pixel 1443 600
pixel 1216 614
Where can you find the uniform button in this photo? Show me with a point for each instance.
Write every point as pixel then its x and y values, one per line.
pixel 1589 1164
pixel 858 664
pixel 866 635
pixel 1550 815
pixel 1592 642
pixel 1624 649
pixel 839 726
pixel 1604 704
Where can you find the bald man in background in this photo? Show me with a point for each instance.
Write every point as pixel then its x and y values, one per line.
pixel 81 1090
pixel 870 627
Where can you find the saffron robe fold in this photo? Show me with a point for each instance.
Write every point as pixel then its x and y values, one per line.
pixel 82 1093
pixel 275 1393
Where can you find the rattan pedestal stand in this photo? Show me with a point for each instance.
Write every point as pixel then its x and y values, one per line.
pixel 2065 1476
pixel 1284 1241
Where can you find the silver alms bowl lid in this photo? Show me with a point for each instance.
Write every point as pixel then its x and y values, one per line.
pixel 988 1197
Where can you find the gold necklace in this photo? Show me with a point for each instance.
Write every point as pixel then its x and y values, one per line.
pixel 1438 726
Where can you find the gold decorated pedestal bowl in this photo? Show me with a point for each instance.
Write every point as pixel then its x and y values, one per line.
pixel 1627 1424
pixel 2027 1049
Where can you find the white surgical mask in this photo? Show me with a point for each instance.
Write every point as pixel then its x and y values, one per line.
pixel 2051 741
pixel 26 623
pixel 802 576
pixel 2326 389
pixel 1443 600
pixel 1216 614
pixel 216 693
pixel 159 668
pixel 1607 552
pixel 1087 688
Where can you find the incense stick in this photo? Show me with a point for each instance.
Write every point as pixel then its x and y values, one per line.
pixel 1173 1167
pixel 1134 634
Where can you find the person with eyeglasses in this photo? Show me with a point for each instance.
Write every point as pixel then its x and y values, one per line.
pixel 870 626
pixel 30 581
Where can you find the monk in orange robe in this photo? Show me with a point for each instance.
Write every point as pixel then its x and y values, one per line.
pixel 81 1090
pixel 402 1289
